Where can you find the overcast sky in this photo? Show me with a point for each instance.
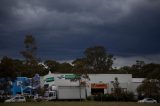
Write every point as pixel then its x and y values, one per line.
pixel 129 29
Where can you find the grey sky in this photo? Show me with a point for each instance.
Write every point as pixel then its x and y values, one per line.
pixel 65 28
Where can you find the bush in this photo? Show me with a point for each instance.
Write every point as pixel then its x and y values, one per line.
pixel 129 96
pixel 2 99
pixel 111 97
pixel 156 97
pixel 29 98
pixel 90 98
pixel 104 97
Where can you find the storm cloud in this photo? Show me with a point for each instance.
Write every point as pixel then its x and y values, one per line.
pixel 65 28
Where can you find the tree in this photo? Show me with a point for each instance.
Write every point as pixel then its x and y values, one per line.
pixel 30 53
pixel 81 78
pixel 79 69
pixel 9 70
pixel 154 74
pixel 151 71
pixel 125 69
pixel 117 89
pixel 65 68
pixel 32 65
pixel 80 66
pixel 98 59
pixel 52 65
pixel 5 85
pixel 7 67
pixel 149 88
pixel 139 64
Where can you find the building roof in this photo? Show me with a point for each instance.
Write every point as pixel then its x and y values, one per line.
pixel 138 80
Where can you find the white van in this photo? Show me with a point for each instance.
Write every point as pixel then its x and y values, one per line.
pixel 17 98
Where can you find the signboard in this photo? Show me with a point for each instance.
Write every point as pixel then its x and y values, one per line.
pixel 61 77
pixel 98 86
pixel 68 76
pixel 50 79
pixel 71 76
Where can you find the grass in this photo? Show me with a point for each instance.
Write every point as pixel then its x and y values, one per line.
pixel 88 103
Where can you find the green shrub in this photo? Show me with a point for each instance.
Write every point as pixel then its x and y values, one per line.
pixel 29 98
pixel 90 98
pixel 2 100
pixel 111 97
pixel 104 97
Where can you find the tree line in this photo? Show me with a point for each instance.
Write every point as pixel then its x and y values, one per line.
pixel 96 60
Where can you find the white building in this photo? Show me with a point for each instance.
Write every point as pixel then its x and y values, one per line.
pixel 135 83
pixel 98 83
pixel 102 83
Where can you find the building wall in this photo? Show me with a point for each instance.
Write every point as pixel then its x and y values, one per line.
pixel 71 92
pixel 125 81
pixel 135 83
pixel 17 86
pixel 59 79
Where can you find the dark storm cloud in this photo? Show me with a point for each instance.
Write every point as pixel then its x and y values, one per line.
pixel 64 28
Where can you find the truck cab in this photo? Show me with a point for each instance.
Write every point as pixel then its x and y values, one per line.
pixel 50 95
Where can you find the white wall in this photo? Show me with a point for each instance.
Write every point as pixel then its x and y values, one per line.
pixel 125 81
pixel 71 92
pixel 135 83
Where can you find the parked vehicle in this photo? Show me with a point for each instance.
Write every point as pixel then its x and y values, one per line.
pixel 66 93
pixel 147 100
pixel 17 98
pixel 49 95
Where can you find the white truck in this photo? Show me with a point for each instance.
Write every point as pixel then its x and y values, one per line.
pixel 49 95
pixel 66 93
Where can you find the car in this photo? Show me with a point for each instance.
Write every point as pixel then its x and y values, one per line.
pixel 17 98
pixel 147 100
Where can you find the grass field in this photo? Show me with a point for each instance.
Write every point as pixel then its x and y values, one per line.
pixel 57 103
